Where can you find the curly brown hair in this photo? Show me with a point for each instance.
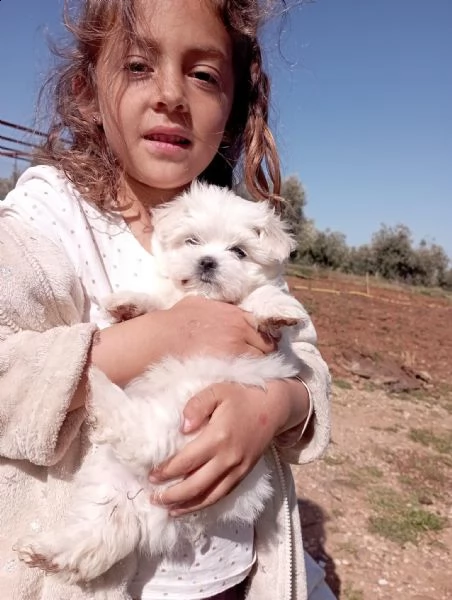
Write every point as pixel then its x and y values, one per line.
pixel 76 143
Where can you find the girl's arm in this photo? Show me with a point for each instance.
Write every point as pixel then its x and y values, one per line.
pixel 194 325
pixel 43 347
pixel 315 374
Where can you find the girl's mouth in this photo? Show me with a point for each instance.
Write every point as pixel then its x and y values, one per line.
pixel 167 139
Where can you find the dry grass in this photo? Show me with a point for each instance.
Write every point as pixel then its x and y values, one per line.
pixel 441 443
pixel 400 518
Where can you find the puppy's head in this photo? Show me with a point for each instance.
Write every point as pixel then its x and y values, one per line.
pixel 212 242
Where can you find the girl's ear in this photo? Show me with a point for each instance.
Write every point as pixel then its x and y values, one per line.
pixel 87 105
pixel 274 233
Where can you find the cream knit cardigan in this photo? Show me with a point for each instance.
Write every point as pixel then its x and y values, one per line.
pixel 43 352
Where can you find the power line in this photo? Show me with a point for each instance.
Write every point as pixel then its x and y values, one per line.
pixel 14 155
pixel 14 151
pixel 22 128
pixel 8 139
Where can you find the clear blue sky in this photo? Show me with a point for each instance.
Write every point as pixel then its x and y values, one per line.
pixel 362 106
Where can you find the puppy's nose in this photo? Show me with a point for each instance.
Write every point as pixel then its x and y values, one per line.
pixel 207 263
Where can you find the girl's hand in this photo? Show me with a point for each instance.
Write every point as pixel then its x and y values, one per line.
pixel 198 325
pixel 193 326
pixel 240 423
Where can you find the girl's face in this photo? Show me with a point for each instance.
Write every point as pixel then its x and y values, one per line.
pixel 165 104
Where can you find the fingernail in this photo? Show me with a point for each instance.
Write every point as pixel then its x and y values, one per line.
pixel 187 425
pixel 154 478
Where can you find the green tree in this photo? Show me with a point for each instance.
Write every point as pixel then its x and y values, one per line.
pixel 8 183
pixel 328 249
pixel 431 265
pixel 393 251
pixel 292 191
pixel 305 240
pixel 447 281
pixel 360 260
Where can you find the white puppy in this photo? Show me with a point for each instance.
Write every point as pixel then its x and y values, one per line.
pixel 207 241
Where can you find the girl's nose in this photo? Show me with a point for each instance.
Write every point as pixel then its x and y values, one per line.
pixel 168 93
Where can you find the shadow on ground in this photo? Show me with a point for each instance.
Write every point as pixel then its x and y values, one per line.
pixel 313 519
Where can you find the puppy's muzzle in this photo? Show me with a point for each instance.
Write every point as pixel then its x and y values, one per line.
pixel 207 266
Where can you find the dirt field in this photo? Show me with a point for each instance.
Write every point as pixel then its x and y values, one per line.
pixel 377 510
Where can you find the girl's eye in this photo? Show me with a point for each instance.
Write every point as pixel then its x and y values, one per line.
pixel 136 67
pixel 192 241
pixel 239 252
pixel 206 77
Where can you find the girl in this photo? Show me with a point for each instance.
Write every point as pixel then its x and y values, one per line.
pixel 152 95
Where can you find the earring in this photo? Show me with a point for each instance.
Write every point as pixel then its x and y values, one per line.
pixel 96 119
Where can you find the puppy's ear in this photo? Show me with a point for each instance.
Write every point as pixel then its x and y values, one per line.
pixel 274 233
pixel 167 220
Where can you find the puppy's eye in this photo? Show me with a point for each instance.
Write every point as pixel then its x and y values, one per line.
pixel 192 241
pixel 239 252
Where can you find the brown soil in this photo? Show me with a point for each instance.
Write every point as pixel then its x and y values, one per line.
pixel 377 510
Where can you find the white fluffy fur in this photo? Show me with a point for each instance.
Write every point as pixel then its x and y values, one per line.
pixel 139 427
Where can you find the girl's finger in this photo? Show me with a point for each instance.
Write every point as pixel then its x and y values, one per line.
pixel 261 342
pixel 198 409
pixel 195 454
pixel 250 319
pixel 253 351
pixel 196 485
pixel 217 491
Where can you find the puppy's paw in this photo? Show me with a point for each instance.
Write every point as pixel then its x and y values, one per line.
pixel 274 324
pixel 41 555
pixel 273 308
pixel 286 312
pixel 34 556
pixel 78 561
pixel 124 312
pixel 126 305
